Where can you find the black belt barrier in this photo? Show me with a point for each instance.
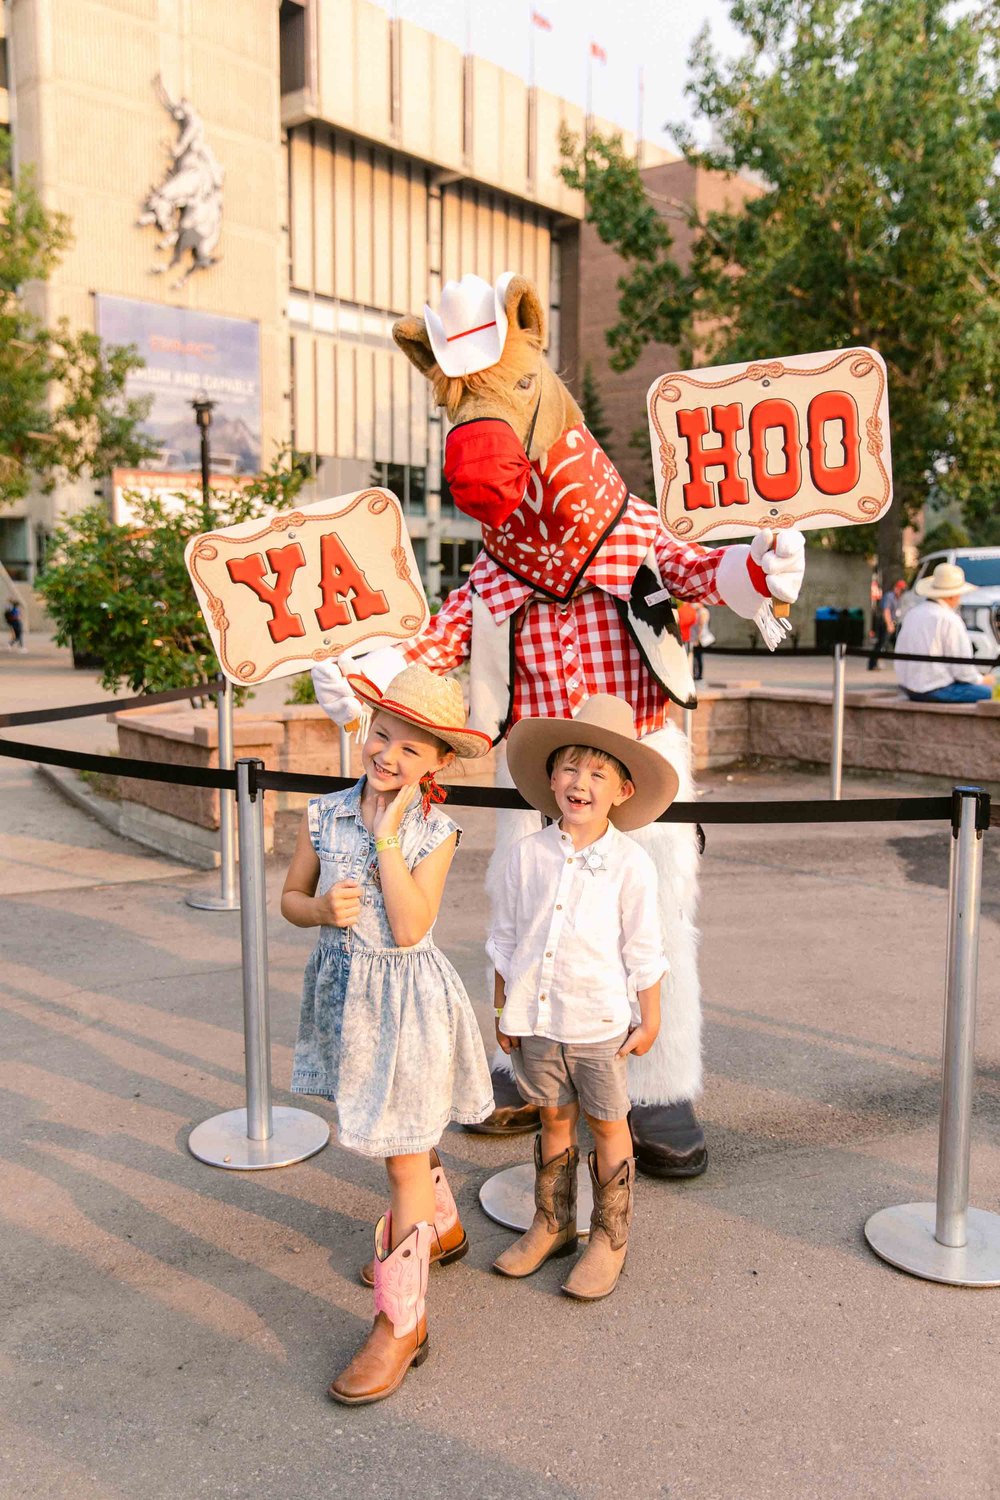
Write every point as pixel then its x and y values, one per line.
pixel 787 810
pixel 107 705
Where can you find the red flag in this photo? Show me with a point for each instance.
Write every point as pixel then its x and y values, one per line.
pixel 542 22
pixel 598 52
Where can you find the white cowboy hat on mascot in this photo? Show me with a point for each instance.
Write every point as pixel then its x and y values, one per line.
pixel 562 534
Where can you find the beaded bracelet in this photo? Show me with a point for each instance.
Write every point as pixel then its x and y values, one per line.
pixel 391 842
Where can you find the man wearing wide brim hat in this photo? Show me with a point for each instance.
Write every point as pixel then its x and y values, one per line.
pixel 935 628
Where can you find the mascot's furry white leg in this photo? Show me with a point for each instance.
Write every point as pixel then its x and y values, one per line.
pixel 671 1070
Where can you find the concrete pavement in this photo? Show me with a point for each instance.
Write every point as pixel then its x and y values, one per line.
pixel 169 1329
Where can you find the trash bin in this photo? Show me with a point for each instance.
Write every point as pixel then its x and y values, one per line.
pixel 826 627
pixel 844 626
pixel 853 626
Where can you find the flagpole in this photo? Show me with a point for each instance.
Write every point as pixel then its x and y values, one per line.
pixel 531 46
pixel 639 121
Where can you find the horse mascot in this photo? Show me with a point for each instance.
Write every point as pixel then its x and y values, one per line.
pixel 570 596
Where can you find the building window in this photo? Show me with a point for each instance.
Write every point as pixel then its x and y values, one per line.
pixel 350 322
pixel 448 507
pixel 292 46
pixel 457 556
pixel 14 547
pixel 407 482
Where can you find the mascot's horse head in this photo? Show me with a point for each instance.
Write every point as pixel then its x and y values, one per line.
pixel 518 458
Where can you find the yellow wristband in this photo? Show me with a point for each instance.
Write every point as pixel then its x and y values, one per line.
pixel 392 842
pixel 498 1009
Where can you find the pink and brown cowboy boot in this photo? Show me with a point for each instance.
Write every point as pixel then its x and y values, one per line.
pixel 398 1337
pixel 449 1241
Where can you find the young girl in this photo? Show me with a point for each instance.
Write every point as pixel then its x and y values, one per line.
pixel 386 1027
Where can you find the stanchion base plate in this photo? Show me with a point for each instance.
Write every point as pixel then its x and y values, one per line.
pixel 508 1197
pixel 206 902
pixel 223 1141
pixel 904 1236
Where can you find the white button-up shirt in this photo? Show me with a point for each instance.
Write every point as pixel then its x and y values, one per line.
pixel 933 629
pixel 575 936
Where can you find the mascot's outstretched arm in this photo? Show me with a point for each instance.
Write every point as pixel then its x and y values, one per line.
pixel 749 579
pixel 443 645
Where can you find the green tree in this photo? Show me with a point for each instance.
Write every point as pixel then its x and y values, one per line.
pixel 63 409
pixel 871 131
pixel 122 593
pixel 593 406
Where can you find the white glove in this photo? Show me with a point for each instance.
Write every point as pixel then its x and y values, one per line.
pixel 783 564
pixel 783 570
pixel 333 694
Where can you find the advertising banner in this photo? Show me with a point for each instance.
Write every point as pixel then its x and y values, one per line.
pixel 187 355
pixel 799 441
pixel 284 592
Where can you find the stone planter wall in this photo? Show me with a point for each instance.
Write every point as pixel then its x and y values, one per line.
pixel 881 733
pixel 961 742
pixel 184 820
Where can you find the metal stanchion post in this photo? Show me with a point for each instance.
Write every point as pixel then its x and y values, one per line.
pixel 947 1240
pixel 227 899
pixel 262 1135
pixel 837 733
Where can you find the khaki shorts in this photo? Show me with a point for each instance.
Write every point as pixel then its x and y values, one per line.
pixel 553 1073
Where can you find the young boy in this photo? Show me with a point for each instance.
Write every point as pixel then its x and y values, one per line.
pixel 576 947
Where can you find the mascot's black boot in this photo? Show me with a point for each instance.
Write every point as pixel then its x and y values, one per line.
pixel 667 1140
pixel 511 1116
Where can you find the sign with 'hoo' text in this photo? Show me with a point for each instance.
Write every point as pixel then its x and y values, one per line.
pixel 800 441
pixel 284 592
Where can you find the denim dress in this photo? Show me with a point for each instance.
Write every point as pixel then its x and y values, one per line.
pixel 388 1033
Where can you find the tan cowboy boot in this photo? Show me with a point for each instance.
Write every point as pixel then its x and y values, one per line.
pixel 449 1240
pixel 553 1229
pixel 596 1273
pixel 398 1337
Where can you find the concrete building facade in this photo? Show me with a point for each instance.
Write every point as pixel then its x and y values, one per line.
pixel 365 162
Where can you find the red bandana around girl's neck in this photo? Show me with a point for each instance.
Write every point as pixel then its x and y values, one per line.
pixel 575 497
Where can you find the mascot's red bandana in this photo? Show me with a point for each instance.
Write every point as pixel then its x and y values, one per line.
pixel 542 522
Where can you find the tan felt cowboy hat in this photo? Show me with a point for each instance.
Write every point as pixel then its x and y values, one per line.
pixel 431 702
pixel 945 582
pixel 603 723
pixel 469 332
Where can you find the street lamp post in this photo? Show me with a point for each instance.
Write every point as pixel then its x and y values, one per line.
pixel 203 409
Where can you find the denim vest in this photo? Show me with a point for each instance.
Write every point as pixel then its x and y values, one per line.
pixel 346 851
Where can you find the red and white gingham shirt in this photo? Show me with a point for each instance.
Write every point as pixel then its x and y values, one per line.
pixel 564 653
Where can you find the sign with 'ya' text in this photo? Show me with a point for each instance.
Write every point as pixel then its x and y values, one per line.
pixel 801 441
pixel 284 592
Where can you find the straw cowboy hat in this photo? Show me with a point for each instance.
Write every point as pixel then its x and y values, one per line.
pixel 431 702
pixel 603 723
pixel 945 582
pixel 471 329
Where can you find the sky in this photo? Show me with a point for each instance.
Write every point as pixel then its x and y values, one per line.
pixel 656 34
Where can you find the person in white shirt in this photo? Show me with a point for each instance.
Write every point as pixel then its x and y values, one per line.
pixel 935 628
pixel 576 947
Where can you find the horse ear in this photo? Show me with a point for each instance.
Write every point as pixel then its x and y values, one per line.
pixel 523 306
pixel 411 336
